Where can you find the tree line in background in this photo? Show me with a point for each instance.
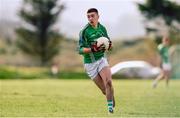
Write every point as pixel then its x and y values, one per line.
pixel 166 16
pixel 37 37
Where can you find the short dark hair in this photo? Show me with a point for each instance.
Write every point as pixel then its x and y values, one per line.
pixel 92 10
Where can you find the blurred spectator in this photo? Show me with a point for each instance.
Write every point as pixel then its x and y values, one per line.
pixel 55 69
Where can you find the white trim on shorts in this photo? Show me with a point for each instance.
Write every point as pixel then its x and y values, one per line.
pixel 92 69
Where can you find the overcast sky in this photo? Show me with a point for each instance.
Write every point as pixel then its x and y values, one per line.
pixel 121 17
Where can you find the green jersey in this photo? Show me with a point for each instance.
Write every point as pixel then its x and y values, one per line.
pixel 87 37
pixel 163 50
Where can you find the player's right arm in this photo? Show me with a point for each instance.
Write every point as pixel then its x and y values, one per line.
pixel 83 45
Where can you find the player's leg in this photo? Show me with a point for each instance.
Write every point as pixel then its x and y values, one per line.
pixel 105 74
pixel 167 77
pixel 100 84
pixel 159 77
pixel 168 73
pixel 93 70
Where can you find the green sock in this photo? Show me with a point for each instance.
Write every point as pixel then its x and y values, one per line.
pixel 110 104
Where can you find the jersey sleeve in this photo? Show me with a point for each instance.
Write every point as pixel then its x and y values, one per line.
pixel 160 49
pixel 81 43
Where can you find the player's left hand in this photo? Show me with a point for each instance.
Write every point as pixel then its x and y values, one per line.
pixel 110 45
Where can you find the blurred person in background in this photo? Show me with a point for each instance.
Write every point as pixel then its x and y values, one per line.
pixel 95 61
pixel 165 55
pixel 55 69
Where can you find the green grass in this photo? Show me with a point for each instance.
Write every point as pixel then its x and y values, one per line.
pixel 12 72
pixel 75 98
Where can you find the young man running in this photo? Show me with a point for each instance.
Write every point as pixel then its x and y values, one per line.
pixel 95 62
pixel 165 62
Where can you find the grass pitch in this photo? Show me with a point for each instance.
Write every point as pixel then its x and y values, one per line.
pixel 81 98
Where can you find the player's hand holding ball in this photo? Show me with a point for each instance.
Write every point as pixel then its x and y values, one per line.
pixel 105 42
pixel 97 48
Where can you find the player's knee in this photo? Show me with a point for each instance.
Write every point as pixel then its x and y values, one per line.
pixel 109 83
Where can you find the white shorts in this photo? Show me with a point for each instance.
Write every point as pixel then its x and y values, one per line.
pixel 94 68
pixel 166 66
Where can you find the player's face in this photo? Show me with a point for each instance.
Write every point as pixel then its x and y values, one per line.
pixel 93 18
pixel 166 41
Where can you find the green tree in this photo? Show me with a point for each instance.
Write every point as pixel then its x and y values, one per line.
pixel 36 36
pixel 165 10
